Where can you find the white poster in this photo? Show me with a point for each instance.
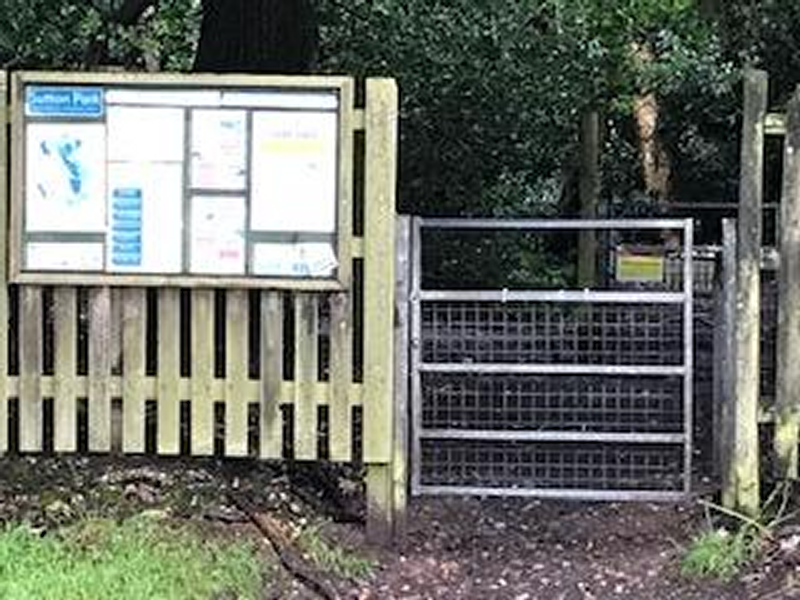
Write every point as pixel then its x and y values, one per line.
pixel 138 134
pixel 218 244
pixel 294 162
pixel 65 177
pixel 219 149
pixel 294 260
pixel 62 256
pixel 145 229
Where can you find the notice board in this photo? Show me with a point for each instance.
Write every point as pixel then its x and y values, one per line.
pixel 143 179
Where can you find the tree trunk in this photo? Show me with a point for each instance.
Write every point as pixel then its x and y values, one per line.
pixel 257 36
pixel 656 164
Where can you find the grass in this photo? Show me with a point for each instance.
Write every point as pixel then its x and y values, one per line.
pixel 332 558
pixel 132 560
pixel 721 553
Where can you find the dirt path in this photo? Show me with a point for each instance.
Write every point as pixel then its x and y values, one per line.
pixel 455 548
pixel 530 550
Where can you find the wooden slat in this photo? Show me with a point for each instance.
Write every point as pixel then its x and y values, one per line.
pixel 345 205
pixel 99 393
pixel 65 363
pixel 202 372
pixel 169 375
pixel 306 362
pixel 236 346
pixel 30 369
pixel 341 371
pixel 285 394
pixel 271 374
pixel 115 324
pixel 133 361
pixel 3 266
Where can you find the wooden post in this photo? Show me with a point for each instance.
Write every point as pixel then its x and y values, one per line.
pixel 748 297
pixel 726 360
pixel 4 158
pixel 401 371
pixel 379 284
pixel 787 388
pixel 589 192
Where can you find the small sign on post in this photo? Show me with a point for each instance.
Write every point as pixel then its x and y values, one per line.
pixel 638 264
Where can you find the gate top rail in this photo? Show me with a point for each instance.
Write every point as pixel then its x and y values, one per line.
pixel 543 224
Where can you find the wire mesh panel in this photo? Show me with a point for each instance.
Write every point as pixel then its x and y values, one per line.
pixel 557 403
pixel 539 332
pixel 564 466
pixel 583 393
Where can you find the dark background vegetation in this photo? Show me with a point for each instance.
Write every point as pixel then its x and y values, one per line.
pixel 492 91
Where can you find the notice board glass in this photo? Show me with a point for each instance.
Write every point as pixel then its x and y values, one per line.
pixel 169 179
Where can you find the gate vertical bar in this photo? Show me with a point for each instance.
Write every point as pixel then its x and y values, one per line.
pixel 688 351
pixel 416 350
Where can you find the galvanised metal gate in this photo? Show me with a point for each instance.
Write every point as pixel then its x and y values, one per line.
pixel 583 394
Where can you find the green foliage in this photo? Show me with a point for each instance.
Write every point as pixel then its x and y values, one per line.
pixel 719 553
pixel 490 94
pixel 136 559
pixel 492 90
pixel 63 34
pixel 331 557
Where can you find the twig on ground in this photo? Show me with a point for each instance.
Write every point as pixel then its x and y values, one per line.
pixel 272 529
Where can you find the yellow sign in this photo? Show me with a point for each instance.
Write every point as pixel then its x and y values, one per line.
pixel 639 268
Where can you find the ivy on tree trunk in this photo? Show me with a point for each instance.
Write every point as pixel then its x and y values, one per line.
pixel 257 36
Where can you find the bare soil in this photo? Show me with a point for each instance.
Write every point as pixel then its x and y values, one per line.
pixel 455 548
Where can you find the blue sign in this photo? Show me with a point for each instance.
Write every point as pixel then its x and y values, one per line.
pixel 63 101
pixel 126 227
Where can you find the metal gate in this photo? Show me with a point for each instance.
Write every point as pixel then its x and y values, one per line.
pixel 579 393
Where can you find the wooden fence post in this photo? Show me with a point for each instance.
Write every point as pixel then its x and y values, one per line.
pixel 379 286
pixel 787 389
pixel 4 160
pixel 748 296
pixel 401 370
pixel 725 361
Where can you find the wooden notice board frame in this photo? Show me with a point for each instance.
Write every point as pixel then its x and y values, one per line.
pixel 292 86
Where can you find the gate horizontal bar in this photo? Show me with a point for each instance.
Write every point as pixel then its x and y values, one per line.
pixel 595 296
pixel 553 493
pixel 545 369
pixel 486 435
pixel 563 224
